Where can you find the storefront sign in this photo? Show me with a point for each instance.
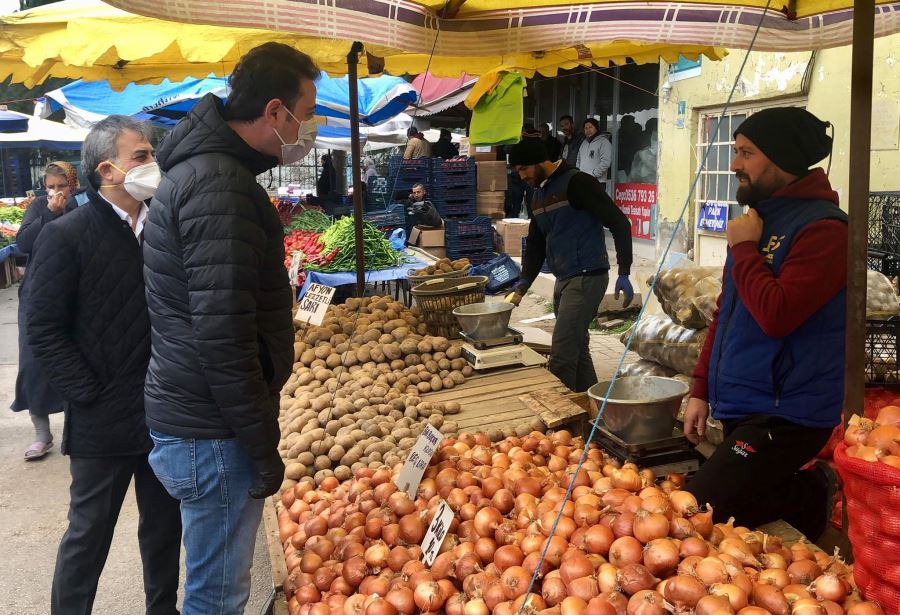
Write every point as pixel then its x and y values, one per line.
pixel 411 473
pixel 636 201
pixel 314 304
pixel 713 217
pixel 437 531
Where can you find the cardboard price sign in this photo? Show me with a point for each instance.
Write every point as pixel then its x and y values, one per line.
pixel 312 307
pixel 411 473
pixel 436 533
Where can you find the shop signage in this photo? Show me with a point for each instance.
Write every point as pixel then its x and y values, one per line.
pixel 312 307
pixel 411 473
pixel 636 201
pixel 437 531
pixel 713 217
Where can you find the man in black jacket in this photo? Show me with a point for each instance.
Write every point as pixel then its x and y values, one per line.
pixel 220 310
pixel 88 328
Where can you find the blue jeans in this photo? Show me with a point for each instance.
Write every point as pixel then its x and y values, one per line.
pixel 219 518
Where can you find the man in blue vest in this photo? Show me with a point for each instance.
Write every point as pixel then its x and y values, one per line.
pixel 569 211
pixel 772 367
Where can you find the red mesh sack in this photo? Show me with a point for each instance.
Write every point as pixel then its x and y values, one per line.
pixel 873 512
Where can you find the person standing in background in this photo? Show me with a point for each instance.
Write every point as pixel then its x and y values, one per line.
pixel 417 146
pixel 595 153
pixel 572 140
pixel 326 185
pixel 554 147
pixel 34 391
pixel 444 147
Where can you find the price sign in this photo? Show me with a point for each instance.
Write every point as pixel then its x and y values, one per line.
pixel 312 307
pixel 436 533
pixel 411 473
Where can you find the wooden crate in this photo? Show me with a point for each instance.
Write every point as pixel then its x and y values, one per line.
pixel 491 400
pixel 276 556
pixel 9 275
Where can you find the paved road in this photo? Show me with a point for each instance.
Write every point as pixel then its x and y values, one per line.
pixel 33 505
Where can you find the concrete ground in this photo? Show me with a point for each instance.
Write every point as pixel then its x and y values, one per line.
pixel 34 502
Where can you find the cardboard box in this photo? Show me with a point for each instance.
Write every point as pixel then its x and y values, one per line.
pixel 426 237
pixel 480 153
pixel 512 230
pixel 491 176
pixel 490 204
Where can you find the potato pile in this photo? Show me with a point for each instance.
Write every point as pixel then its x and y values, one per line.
pixel 688 294
pixel 354 398
pixel 881 300
pixel 444 265
pixel 660 340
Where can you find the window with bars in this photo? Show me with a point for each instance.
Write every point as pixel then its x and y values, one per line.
pixel 717 183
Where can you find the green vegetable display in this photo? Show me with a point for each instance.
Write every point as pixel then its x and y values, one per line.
pixel 377 249
pixel 310 220
pixel 12 215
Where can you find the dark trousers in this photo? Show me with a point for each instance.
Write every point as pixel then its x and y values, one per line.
pixel 575 303
pixel 755 477
pixel 96 494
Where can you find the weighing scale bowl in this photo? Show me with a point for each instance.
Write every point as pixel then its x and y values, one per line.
pixel 484 321
pixel 640 408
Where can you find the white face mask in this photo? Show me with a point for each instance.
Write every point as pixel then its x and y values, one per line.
pixel 141 181
pixel 52 193
pixel 306 137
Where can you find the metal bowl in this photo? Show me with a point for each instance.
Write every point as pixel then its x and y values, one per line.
pixel 484 321
pixel 639 408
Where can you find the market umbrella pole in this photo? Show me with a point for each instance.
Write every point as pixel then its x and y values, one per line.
pixel 352 65
pixel 858 203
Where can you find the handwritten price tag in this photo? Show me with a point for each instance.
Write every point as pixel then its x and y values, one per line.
pixel 436 533
pixel 411 473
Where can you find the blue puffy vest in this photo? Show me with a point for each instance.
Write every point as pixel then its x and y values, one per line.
pixel 574 238
pixel 799 377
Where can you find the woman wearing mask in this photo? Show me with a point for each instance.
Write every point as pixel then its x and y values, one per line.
pixel 595 153
pixel 33 390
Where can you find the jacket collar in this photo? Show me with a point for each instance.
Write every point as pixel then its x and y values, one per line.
pixel 812 187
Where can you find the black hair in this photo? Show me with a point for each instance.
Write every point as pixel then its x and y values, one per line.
pixel 412 131
pixel 267 72
pixel 567 117
pixel 592 121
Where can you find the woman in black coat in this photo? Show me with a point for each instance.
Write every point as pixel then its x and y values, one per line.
pixel 33 390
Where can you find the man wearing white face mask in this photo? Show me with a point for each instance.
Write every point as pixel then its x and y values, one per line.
pixel 220 309
pixel 87 326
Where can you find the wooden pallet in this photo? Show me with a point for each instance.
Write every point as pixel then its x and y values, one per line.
pixel 554 408
pixel 491 400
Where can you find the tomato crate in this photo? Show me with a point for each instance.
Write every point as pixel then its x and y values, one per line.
pixel 409 165
pixel 452 165
pixel 456 207
pixel 479 225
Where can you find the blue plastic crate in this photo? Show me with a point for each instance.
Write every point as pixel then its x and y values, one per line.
pixel 456 207
pixel 476 258
pixel 393 217
pixel 397 184
pixel 377 185
pixel 449 193
pixel 477 226
pixel 453 165
pixel 478 243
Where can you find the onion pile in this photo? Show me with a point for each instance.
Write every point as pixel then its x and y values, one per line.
pixel 876 441
pixel 626 543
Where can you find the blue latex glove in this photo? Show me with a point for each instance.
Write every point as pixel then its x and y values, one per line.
pixel 623 285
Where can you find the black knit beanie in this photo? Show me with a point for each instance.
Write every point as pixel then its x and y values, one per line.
pixel 528 151
pixel 791 137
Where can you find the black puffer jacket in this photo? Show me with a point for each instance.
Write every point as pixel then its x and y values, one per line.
pixel 217 290
pixel 88 328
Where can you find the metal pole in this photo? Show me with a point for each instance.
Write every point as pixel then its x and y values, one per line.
pixel 352 64
pixel 858 203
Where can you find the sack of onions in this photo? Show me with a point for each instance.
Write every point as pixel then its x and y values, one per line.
pixel 540 526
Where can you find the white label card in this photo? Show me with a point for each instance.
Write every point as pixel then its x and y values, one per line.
pixel 436 533
pixel 411 473
pixel 312 307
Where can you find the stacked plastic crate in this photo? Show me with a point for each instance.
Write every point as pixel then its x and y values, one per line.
pixel 471 238
pixel 376 193
pixel 454 184
pixel 403 175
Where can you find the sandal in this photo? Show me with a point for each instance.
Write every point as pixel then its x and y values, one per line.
pixel 37 450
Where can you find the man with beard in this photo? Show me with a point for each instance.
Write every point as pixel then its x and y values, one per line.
pixel 772 367
pixel 569 211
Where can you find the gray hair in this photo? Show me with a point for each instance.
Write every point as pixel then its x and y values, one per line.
pixel 101 142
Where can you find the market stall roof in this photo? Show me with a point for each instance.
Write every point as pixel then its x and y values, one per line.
pixel 87 102
pixel 44 133
pixel 13 121
pixel 438 94
pixel 88 39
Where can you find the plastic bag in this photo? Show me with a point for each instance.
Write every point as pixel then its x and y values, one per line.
pixel 881 299
pixel 659 339
pixel 398 239
pixel 688 294
pixel 646 368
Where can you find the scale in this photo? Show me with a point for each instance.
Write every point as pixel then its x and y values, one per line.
pixel 664 456
pixel 502 351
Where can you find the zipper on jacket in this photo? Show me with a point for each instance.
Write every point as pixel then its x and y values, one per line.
pixel 722 344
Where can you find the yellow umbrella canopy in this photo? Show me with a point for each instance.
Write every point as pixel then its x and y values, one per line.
pixel 147 40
